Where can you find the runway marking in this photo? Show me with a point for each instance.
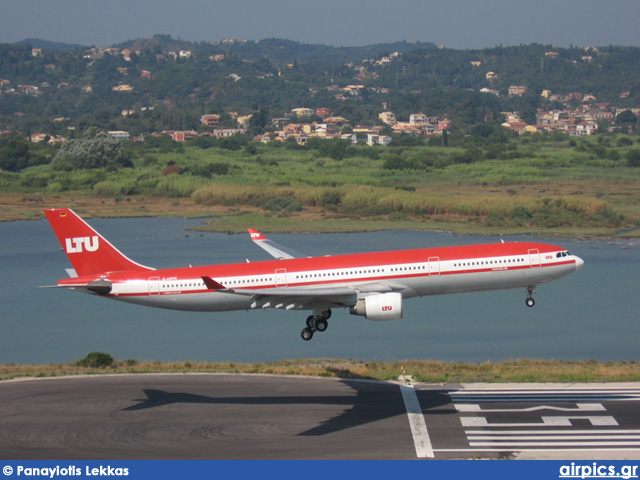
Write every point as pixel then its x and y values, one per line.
pixel 581 407
pixel 486 432
pixel 606 420
pixel 546 395
pixel 517 444
pixel 547 432
pixel 421 440
pixel 583 449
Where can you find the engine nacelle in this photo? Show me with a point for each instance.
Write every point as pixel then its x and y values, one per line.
pixel 383 306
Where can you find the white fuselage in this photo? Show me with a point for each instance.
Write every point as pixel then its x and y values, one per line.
pixel 426 274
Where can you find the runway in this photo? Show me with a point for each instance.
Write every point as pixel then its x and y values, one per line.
pixel 220 416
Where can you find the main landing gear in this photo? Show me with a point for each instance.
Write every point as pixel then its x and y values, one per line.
pixel 530 302
pixel 315 323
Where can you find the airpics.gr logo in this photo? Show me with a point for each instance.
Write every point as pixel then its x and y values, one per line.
pixel 82 244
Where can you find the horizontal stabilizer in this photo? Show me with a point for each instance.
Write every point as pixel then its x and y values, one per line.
pixel 101 286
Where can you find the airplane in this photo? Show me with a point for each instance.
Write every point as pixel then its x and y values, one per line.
pixel 372 285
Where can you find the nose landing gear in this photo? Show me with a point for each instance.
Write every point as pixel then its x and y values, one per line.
pixel 315 323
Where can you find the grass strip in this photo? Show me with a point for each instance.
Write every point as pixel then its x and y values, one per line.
pixel 429 371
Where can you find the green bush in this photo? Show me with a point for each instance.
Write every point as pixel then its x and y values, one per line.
pixel 278 204
pixel 96 360
pixel 633 158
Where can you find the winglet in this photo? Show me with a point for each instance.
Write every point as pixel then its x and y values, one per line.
pixel 212 284
pixel 256 235
pixel 272 248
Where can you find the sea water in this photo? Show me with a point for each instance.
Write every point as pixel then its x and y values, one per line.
pixel 591 314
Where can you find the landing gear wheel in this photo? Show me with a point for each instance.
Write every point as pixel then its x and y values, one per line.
pixel 326 314
pixel 307 334
pixel 310 321
pixel 321 324
pixel 530 302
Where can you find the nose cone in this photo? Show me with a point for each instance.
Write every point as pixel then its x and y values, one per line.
pixel 579 263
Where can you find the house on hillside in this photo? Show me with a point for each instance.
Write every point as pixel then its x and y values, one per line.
pixel 210 120
pixel 123 88
pixel 119 135
pixel 323 112
pixel 336 121
pixel 303 112
pixel 183 136
pixel 373 139
pixel 517 91
pixel 518 127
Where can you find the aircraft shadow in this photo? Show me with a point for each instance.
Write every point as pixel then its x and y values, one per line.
pixel 372 402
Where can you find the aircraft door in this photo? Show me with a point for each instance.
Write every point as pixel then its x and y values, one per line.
pixel 534 257
pixel 281 277
pixel 434 266
pixel 154 285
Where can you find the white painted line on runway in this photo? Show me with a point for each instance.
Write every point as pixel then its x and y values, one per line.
pixel 542 398
pixel 605 421
pixel 517 444
pixel 552 432
pixel 581 407
pixel 419 431
pixel 546 391
pixel 552 437
pixel 602 450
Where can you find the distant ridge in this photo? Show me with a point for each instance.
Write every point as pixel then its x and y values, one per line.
pixel 47 45
pixel 279 51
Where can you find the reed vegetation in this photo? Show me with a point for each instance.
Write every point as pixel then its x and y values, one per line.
pixel 527 184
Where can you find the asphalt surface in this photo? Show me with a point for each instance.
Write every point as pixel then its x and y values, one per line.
pixel 185 416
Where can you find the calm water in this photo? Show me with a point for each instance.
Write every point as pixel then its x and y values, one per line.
pixel 592 314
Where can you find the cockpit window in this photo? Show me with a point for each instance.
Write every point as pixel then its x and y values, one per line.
pixel 562 254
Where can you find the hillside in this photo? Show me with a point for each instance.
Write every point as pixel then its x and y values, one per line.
pixel 53 90
pixel 51 46
pixel 280 52
pixel 517 139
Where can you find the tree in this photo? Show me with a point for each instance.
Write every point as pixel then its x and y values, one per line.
pixel 14 155
pixel 95 150
pixel 445 138
pixel 633 158
pixel 626 119
pixel 335 149
pixel 626 116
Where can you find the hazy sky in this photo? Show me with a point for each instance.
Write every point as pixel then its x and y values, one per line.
pixel 454 23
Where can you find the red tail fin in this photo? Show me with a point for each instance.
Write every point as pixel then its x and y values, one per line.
pixel 87 250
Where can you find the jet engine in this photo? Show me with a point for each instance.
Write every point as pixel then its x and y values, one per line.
pixel 383 306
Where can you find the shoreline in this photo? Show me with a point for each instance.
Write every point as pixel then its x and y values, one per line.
pixel 17 207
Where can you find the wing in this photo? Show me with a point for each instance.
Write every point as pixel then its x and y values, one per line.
pixel 303 298
pixel 274 249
